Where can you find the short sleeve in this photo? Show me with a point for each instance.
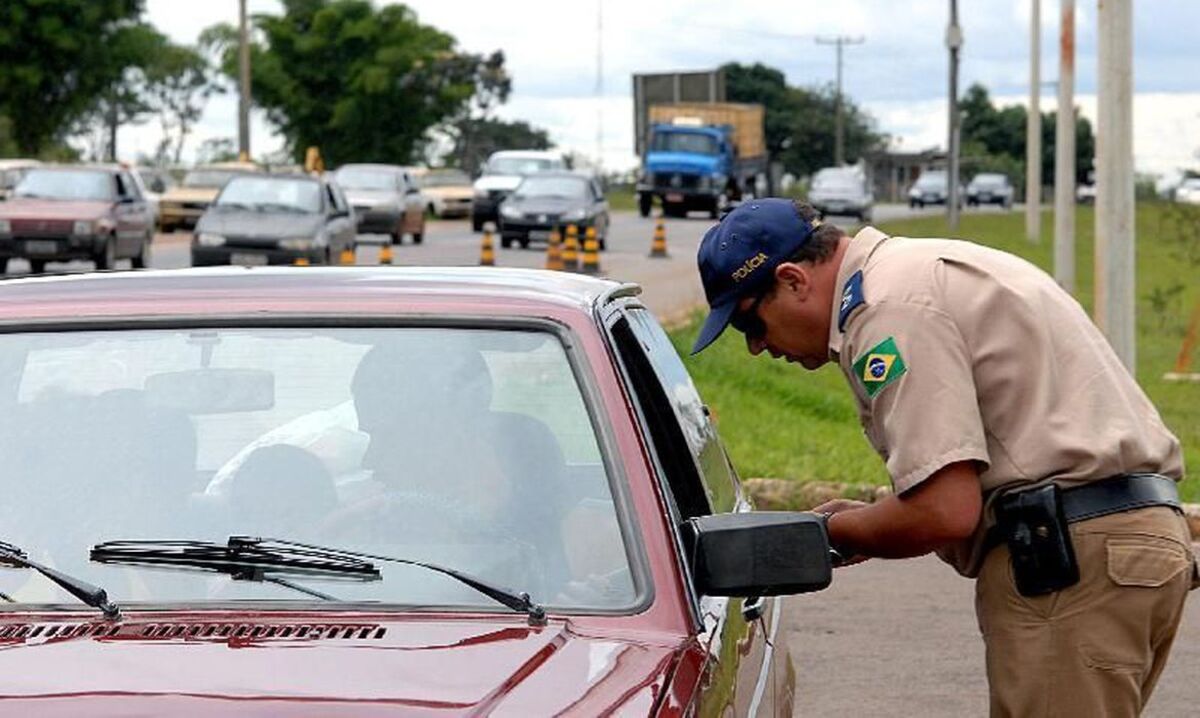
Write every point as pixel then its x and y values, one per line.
pixel 911 372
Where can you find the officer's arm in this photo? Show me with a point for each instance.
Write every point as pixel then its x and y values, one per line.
pixel 940 510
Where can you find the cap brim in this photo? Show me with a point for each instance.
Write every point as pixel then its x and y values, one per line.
pixel 716 322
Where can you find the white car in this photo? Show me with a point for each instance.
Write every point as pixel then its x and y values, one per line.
pixel 1189 191
pixel 446 192
pixel 502 173
pixel 842 190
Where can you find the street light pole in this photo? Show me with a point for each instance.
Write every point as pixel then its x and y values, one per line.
pixel 1033 130
pixel 244 77
pixel 954 41
pixel 839 142
pixel 1064 153
pixel 1115 235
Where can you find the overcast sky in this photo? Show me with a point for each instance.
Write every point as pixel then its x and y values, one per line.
pixel 899 74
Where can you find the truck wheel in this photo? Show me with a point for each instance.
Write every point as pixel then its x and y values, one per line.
pixel 645 203
pixel 37 266
pixel 3 265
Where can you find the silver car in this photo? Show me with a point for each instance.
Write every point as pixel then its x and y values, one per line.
pixel 990 188
pixel 842 191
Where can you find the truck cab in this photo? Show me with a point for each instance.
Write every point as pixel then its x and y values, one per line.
pixel 687 167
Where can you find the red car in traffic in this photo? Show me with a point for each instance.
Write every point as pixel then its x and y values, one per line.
pixel 90 212
pixel 367 491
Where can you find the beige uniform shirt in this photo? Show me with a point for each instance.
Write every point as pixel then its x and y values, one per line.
pixel 957 352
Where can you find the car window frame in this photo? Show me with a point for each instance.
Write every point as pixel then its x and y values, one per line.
pixel 592 394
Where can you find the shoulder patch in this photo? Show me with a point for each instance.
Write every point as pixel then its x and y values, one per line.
pixel 852 297
pixel 879 366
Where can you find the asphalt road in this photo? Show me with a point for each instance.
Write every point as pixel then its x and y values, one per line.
pixel 895 638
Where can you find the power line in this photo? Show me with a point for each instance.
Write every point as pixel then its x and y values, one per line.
pixel 839 152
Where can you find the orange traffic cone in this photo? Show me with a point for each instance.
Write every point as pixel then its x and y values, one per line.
pixel 658 248
pixel 591 253
pixel 554 259
pixel 385 253
pixel 570 253
pixel 487 253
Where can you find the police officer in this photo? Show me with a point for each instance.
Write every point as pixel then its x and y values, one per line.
pixel 1019 447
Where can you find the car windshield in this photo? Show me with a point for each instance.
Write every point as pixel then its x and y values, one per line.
pixel 1192 183
pixel 521 165
pixel 360 178
pixel 988 181
pixel 156 180
pixel 208 179
pixel 691 142
pixel 471 448
pixel 446 179
pixel 86 185
pixel 564 187
pixel 932 179
pixel 272 193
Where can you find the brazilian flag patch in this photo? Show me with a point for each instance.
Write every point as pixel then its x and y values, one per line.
pixel 880 366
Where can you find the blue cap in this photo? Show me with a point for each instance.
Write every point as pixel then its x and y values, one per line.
pixel 738 257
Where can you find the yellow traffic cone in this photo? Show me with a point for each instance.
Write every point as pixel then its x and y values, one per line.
pixel 487 253
pixel 658 248
pixel 554 259
pixel 385 253
pixel 347 256
pixel 301 262
pixel 570 253
pixel 591 253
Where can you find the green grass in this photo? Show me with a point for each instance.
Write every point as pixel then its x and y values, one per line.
pixel 781 421
pixel 621 198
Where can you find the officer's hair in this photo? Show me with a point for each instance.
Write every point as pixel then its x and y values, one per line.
pixel 824 241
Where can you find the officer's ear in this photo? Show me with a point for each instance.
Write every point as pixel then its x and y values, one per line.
pixel 795 278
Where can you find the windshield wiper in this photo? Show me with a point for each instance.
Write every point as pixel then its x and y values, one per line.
pixel 93 596
pixel 242 558
pixel 254 559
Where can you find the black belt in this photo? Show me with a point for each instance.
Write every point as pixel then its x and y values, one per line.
pixel 1115 495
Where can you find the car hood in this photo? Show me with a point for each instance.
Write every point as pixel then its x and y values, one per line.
pixel 683 162
pixel 31 208
pixel 506 183
pixel 463 192
pixel 259 224
pixel 190 194
pixel 370 197
pixel 248 664
pixel 837 193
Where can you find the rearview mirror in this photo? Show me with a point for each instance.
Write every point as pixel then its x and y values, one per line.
pixel 761 553
pixel 213 391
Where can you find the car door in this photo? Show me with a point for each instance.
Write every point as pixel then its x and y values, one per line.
pixel 131 216
pixel 340 225
pixel 743 673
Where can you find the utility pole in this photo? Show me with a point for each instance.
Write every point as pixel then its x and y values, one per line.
pixel 244 76
pixel 1033 130
pixel 599 85
pixel 1115 256
pixel 839 146
pixel 954 40
pixel 1064 153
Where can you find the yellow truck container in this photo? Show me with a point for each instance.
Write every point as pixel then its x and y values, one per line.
pixel 746 121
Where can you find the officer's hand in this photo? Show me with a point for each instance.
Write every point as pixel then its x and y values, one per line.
pixel 836 506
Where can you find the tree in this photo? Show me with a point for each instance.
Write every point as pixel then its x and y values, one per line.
pixel 178 84
pixel 800 123
pixel 56 59
pixel 1001 135
pixel 360 83
pixel 134 48
pixel 216 149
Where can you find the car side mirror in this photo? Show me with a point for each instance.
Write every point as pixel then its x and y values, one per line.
pixel 760 553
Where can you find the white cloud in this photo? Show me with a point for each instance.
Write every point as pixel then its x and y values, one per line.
pixel 898 74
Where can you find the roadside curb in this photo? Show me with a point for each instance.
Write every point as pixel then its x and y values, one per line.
pixel 786 495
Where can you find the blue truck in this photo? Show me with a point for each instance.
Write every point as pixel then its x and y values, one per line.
pixel 700 157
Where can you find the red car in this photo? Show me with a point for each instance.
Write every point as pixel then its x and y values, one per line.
pixel 369 491
pixel 90 212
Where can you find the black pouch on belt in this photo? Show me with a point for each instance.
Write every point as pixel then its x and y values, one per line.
pixel 1033 525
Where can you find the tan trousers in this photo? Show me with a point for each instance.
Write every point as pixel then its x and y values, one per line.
pixel 1097 648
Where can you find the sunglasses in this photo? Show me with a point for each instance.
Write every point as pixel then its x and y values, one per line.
pixel 748 322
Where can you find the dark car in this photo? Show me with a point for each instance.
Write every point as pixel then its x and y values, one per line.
pixel 386 200
pixel 57 214
pixel 274 219
pixel 549 200
pixel 932 187
pixel 375 491
pixel 990 188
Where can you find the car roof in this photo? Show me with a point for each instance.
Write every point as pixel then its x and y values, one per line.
pixel 371 166
pixel 98 167
pixel 18 163
pixel 529 154
pixel 265 292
